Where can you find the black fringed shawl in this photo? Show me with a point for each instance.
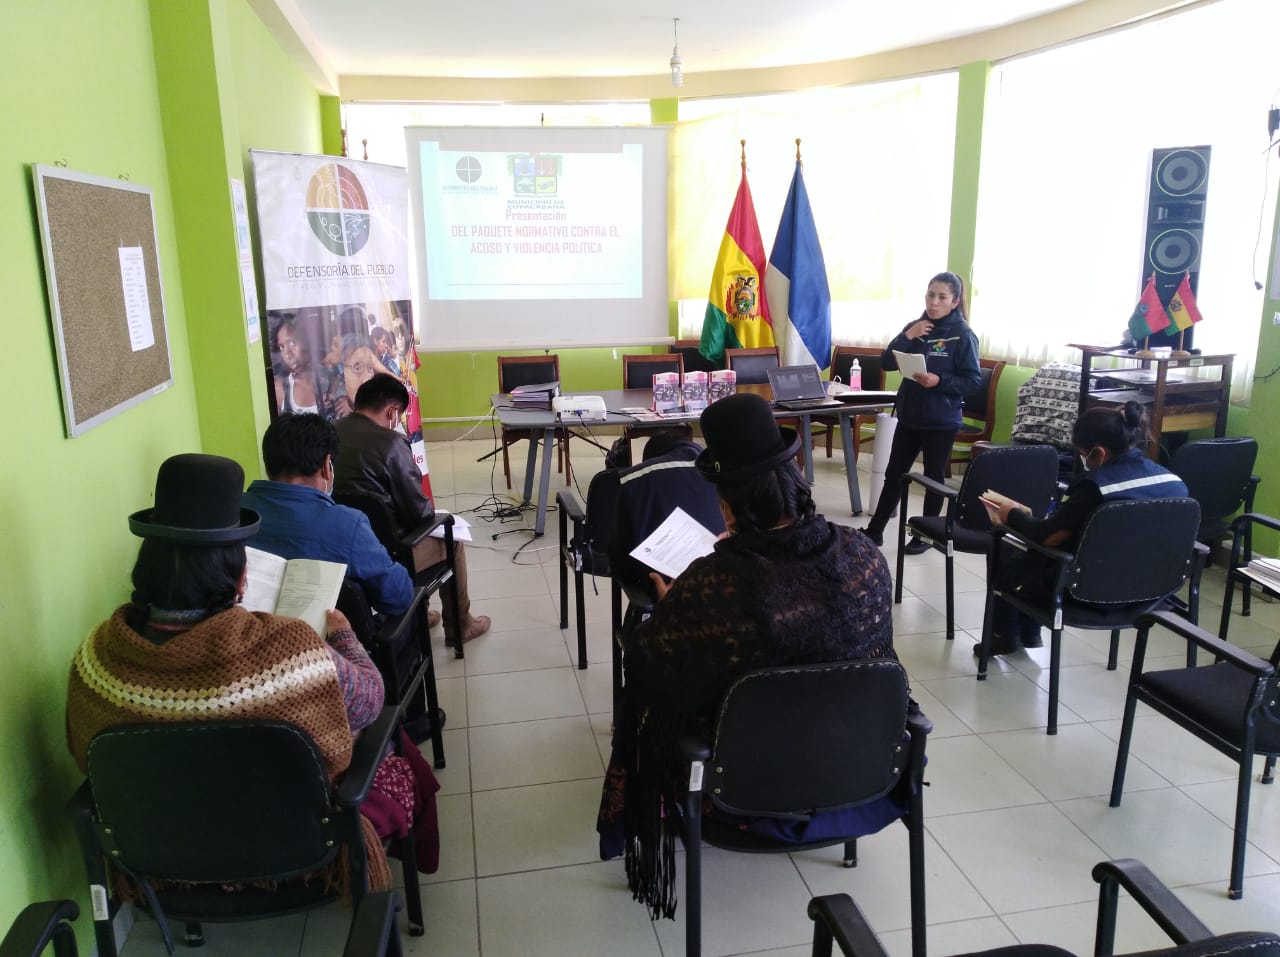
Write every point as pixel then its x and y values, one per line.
pixel 807 593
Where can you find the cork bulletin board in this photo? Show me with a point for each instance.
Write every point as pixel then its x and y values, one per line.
pixel 106 304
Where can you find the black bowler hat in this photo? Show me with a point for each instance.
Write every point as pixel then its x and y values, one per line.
pixel 197 503
pixel 743 439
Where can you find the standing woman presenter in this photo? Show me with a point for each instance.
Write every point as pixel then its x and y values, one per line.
pixel 929 405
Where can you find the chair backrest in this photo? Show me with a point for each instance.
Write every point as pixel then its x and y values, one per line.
pixel 527 370
pixel 214 801
pixel 793 740
pixel 1025 473
pixel 602 516
pixel 752 365
pixel 694 361
pixel 1216 472
pixel 869 361
pixel 638 370
pixel 381 520
pixel 1134 551
pixel 980 404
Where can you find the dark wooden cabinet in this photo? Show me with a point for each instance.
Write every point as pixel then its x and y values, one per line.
pixel 1178 399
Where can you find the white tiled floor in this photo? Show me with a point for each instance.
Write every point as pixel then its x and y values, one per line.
pixel 1015 818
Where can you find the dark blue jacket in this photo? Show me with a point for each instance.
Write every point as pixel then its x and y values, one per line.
pixel 303 522
pixel 1134 476
pixel 951 353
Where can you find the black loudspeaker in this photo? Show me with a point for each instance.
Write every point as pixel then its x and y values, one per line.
pixel 1175 217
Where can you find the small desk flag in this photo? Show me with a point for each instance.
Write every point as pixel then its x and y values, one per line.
pixel 1183 312
pixel 1149 317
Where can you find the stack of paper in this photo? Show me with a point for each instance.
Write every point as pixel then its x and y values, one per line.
pixel 1266 571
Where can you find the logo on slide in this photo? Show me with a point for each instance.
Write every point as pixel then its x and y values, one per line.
pixel 468 169
pixel 534 174
pixel 338 209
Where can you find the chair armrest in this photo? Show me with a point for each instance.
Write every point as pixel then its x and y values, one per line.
pixel 840 917
pixel 37 925
pixel 419 532
pixel 569 501
pixel 1155 898
pixel 367 754
pixel 1257 518
pixel 638 595
pixel 1001 532
pixel 372 925
pixel 395 625
pixel 918 724
pixel 1249 663
pixel 930 485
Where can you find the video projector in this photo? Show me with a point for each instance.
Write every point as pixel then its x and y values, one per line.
pixel 579 408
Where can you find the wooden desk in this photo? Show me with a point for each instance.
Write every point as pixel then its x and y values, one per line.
pixel 542 423
pixel 1175 403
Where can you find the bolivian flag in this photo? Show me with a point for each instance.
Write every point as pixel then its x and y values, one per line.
pixel 737 311
pixel 1149 317
pixel 1183 311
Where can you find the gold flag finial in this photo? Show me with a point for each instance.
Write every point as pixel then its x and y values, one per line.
pixel 797 149
pixel 743 144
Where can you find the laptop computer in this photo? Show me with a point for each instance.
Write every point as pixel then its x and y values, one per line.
pixel 799 389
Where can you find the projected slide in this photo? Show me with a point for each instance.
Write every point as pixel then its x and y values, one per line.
pixel 564 222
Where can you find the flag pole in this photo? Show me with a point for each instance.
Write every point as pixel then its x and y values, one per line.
pixel 798 149
pixel 743 144
pixel 1182 333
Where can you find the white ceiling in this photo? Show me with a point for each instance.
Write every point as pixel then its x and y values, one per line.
pixel 585 38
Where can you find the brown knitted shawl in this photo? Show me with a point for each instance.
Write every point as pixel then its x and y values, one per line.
pixel 235 664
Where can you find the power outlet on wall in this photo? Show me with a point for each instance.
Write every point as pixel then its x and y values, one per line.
pixel 1275 318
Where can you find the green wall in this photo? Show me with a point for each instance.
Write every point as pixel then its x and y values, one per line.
pixel 88 88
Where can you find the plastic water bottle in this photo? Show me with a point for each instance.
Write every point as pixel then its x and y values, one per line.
pixel 855 377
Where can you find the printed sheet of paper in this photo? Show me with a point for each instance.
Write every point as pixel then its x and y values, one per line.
pixel 262 586
pixel 675 544
pixel 910 364
pixel 137 304
pixel 310 588
pixel 461 528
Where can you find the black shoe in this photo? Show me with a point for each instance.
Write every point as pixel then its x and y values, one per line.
pixel 916 546
pixel 876 537
pixel 999 646
pixel 422 727
pixel 1032 640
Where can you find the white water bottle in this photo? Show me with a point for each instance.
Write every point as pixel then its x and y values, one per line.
pixel 855 377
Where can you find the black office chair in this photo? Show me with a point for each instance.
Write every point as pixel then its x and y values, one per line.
pixel 586 550
pixel 1239 571
pixel 1132 557
pixel 794 741
pixel 440 578
pixel 38 926
pixel 373 929
pixel 838 920
pixel 694 361
pixel 396 645
pixel 1229 705
pixel 1219 475
pixel 186 808
pixel 1025 473
pixel 752 365
pixel 979 413
pixel 516 371
pixel 637 373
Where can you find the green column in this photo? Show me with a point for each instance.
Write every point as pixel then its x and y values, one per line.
pixel 971 101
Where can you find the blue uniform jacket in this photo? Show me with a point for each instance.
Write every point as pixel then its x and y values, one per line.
pixel 951 353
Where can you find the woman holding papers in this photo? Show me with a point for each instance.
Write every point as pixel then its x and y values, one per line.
pixel 943 352
pixel 783 586
pixel 183 649
pixel 1110 445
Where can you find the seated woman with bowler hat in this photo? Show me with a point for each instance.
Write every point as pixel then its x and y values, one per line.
pixel 184 631
pixel 783 587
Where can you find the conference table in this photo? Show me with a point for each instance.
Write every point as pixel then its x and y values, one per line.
pixel 542 424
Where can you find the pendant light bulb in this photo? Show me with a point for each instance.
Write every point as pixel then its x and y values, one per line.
pixel 677 65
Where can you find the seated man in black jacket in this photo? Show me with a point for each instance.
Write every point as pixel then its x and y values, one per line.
pixel 374 459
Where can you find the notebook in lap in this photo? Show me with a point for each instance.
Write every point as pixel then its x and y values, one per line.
pixel 799 389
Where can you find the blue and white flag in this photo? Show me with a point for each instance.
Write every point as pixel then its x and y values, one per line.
pixel 796 284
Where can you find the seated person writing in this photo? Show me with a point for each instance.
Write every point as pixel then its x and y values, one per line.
pixel 182 639
pixel 374 459
pixel 1109 443
pixel 784 586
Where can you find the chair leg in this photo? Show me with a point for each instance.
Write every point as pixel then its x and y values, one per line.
pixel 412 892
pixel 919 921
pixel 1055 667
pixel 951 594
pixel 193 934
pixel 1268 770
pixel 850 854
pixel 506 465
pixel 580 606
pixel 1113 653
pixel 1225 623
pixel 433 709
pixel 693 882
pixel 1244 786
pixel 1122 749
